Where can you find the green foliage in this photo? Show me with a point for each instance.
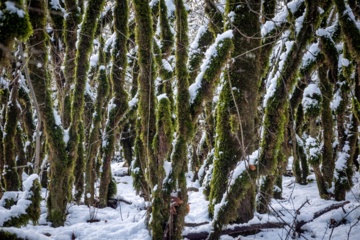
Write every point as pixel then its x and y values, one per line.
pixel 19 221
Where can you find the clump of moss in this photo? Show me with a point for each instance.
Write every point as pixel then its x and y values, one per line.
pixel 4 235
pixel 33 209
pixel 14 23
pixel 9 202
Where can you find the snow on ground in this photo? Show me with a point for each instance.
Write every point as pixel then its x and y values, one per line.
pixel 127 221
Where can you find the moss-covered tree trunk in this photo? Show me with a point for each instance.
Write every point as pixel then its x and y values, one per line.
pixel 150 167
pixel 300 165
pixel 146 105
pixel 70 25
pixel 347 127
pixel 215 17
pixel 94 141
pixel 39 77
pixel 11 177
pixel 237 107
pixel 76 131
pixel 57 45
pixel 28 126
pixel 277 102
pixel 184 124
pixel 129 132
pixel 118 105
pixel 85 44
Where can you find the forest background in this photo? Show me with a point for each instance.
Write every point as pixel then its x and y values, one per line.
pixel 229 91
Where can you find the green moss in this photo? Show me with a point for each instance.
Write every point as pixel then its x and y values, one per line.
pixel 27 123
pixel 206 182
pixel 274 113
pixel 138 166
pixel 227 149
pixel 93 141
pixel 211 77
pixel 70 38
pixel 216 24
pixel 236 111
pixel 313 110
pixel 347 146
pixel 328 162
pixel 300 166
pixel 167 37
pixel 78 178
pixel 112 188
pixel 349 29
pixel 146 106
pixel 13 25
pixel 164 130
pixel 197 55
pixel 9 202
pixel 57 200
pixel 4 235
pixel 11 177
pixel 32 211
pixel 157 225
pixel 119 102
pixel 229 210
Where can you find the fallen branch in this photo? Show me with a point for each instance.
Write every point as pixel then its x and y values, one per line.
pixel 237 230
pixel 192 189
pixel 195 224
pixel 317 214
pixel 116 200
pixel 121 174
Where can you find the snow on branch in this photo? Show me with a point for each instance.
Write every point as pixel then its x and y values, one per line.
pixel 281 18
pixel 215 58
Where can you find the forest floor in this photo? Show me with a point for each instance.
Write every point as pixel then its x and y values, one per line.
pixel 300 207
